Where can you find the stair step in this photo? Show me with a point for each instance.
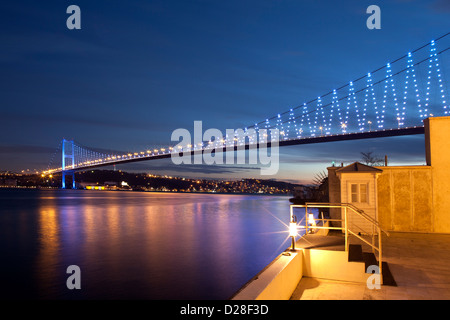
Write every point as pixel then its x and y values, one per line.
pixel 313 241
pixel 369 259
pixel 355 253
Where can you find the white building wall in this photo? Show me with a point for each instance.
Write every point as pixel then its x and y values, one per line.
pixel 356 222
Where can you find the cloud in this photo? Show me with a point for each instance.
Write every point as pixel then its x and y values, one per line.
pixel 166 165
pixel 211 169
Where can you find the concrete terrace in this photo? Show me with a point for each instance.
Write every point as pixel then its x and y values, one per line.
pixel 418 262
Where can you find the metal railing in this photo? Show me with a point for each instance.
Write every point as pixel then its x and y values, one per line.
pixel 346 208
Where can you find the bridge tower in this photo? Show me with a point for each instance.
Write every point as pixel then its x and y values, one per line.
pixel 68 152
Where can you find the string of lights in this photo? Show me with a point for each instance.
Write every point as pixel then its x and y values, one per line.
pixel 310 119
pixel 372 73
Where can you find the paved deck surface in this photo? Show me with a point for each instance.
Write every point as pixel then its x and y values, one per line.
pixel 419 263
pixel 329 242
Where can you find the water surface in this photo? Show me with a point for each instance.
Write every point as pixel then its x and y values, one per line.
pixel 134 245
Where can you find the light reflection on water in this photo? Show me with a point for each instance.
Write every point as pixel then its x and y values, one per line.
pixel 132 245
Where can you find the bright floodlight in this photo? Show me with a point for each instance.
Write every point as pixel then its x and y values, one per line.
pixel 293 229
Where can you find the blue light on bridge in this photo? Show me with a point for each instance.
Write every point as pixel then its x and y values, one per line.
pixel 399 95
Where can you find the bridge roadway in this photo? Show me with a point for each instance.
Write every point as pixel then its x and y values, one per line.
pixel 310 140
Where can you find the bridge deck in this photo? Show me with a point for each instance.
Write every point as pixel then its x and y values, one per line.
pixel 291 142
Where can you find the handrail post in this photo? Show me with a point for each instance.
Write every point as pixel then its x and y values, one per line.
pixel 291 213
pixel 306 218
pixel 323 221
pixel 346 228
pixel 373 238
pixel 380 262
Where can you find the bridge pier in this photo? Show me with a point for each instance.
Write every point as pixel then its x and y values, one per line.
pixel 68 153
pixel 68 173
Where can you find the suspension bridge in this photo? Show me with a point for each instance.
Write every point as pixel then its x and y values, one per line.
pixel 392 100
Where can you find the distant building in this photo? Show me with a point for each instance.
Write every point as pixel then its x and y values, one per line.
pixel 95 188
pixel 8 182
pixel 110 183
pixel 401 198
pixel 83 185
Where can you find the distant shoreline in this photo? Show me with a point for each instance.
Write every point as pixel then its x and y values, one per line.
pixel 142 191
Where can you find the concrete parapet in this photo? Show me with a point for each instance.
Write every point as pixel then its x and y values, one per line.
pixel 277 281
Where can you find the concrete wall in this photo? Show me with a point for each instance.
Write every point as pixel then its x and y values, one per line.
pixel 333 265
pixel 417 198
pixel 405 199
pixel 437 133
pixel 277 281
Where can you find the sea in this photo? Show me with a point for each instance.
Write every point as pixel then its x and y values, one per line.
pixel 136 245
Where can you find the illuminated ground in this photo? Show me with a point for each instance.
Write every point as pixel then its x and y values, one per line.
pixel 418 262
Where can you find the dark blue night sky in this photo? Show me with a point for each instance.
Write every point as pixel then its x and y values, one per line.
pixel 137 70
